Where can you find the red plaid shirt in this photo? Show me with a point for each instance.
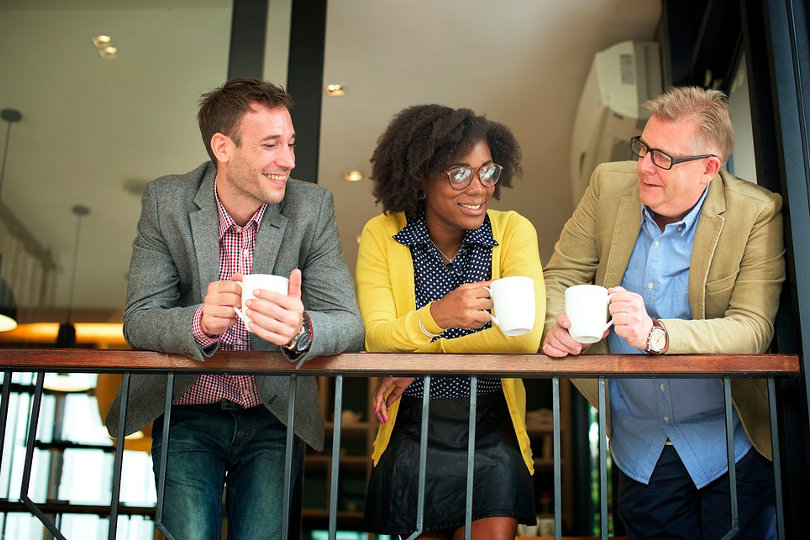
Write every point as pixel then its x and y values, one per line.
pixel 236 245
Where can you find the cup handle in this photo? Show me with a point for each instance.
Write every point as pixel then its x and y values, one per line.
pixel 610 322
pixel 243 317
pixel 491 316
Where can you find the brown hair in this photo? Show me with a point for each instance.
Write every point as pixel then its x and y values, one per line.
pixel 221 110
pixel 709 108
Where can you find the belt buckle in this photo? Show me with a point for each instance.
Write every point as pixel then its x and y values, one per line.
pixel 227 405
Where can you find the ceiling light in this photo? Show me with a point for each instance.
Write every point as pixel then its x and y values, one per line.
pixel 101 40
pixel 108 52
pixel 335 90
pixel 353 176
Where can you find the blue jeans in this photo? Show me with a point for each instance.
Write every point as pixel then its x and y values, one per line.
pixel 215 446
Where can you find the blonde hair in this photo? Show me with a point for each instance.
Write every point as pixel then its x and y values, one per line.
pixel 708 108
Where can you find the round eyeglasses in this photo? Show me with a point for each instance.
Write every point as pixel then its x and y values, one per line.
pixel 660 159
pixel 461 176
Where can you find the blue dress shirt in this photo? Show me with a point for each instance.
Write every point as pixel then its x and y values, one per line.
pixel 647 412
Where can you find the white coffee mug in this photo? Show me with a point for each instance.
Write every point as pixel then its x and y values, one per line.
pixel 251 282
pixel 513 299
pixel 587 308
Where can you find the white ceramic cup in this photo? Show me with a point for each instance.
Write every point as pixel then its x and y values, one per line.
pixel 513 299
pixel 251 282
pixel 587 308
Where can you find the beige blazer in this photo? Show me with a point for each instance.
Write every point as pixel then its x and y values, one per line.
pixel 735 279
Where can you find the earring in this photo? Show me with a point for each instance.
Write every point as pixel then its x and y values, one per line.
pixel 421 195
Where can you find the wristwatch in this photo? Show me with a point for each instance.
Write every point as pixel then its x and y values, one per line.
pixel 301 342
pixel 658 339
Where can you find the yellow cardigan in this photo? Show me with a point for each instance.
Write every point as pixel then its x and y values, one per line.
pixel 385 292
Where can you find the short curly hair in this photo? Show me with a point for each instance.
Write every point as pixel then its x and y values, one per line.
pixel 422 140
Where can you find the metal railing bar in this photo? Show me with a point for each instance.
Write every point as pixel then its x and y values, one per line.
pixel 288 457
pixel 555 394
pixel 470 458
pixel 333 485
pixel 603 519
pixel 777 462
pixel 29 459
pixel 732 468
pixel 164 457
pixel 118 461
pixel 423 443
pixel 4 411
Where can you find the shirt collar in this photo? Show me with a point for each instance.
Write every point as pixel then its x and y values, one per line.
pixel 687 222
pixel 225 219
pixel 415 233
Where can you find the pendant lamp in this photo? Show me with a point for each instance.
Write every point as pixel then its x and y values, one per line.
pixel 67 330
pixel 8 305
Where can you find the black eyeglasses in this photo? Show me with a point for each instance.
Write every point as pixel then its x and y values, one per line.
pixel 660 158
pixel 461 176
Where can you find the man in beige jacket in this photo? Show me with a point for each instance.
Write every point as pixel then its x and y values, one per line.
pixel 695 258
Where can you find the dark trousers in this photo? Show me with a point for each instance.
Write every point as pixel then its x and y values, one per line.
pixel 670 506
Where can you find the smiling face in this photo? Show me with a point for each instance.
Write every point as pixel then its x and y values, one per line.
pixel 671 194
pixel 449 213
pixel 255 171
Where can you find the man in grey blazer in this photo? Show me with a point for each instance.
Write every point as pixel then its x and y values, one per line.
pixel 198 234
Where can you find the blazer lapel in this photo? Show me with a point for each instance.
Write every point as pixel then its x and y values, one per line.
pixel 623 238
pixel 708 231
pixel 205 233
pixel 268 241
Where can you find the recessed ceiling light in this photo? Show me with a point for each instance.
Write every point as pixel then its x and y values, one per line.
pixel 335 90
pixel 109 52
pixel 101 40
pixel 353 176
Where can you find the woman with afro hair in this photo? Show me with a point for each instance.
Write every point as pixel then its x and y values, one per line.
pixel 422 272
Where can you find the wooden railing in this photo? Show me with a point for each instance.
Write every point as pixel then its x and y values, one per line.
pixel 601 367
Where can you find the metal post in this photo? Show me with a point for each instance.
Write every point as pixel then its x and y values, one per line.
pixel 777 463
pixel 732 470
pixel 333 486
pixel 119 458
pixel 29 458
pixel 471 457
pixel 423 442
pixel 288 457
pixel 555 393
pixel 164 457
pixel 603 460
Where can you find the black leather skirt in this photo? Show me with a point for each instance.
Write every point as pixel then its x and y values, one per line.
pixel 502 483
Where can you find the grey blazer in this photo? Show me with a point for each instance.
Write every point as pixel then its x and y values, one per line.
pixel 175 255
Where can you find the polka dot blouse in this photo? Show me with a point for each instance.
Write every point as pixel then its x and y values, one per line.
pixel 433 279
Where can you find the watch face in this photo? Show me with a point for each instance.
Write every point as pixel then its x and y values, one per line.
pixel 658 340
pixel 303 341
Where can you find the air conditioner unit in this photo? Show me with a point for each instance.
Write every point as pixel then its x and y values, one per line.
pixel 610 110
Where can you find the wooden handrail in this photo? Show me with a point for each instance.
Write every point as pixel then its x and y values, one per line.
pixel 367 364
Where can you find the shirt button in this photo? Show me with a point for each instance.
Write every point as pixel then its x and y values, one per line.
pixel 680 228
pixel 655 243
pixel 650 286
pixel 666 419
pixel 661 387
pixel 246 252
